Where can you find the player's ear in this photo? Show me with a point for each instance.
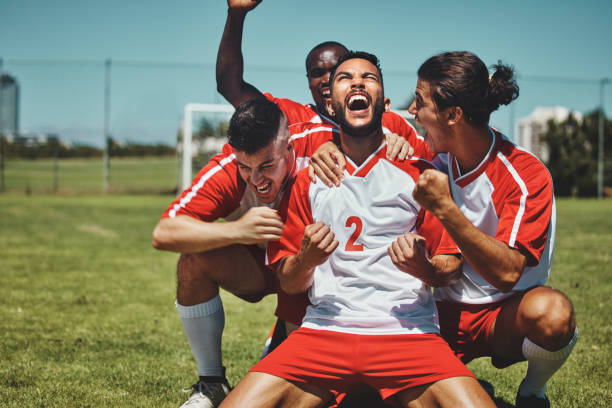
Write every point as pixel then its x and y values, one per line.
pixel 328 105
pixel 387 104
pixel 453 115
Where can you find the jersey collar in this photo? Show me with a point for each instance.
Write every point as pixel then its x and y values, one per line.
pixel 464 179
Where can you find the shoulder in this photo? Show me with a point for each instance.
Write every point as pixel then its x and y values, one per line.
pixel 304 129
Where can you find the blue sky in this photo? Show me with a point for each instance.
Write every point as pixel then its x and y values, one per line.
pixel 560 49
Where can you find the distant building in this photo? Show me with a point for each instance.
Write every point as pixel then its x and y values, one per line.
pixel 530 130
pixel 9 104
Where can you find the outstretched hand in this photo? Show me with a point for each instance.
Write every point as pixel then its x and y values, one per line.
pixel 242 5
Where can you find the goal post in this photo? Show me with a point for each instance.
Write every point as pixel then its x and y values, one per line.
pixel 220 112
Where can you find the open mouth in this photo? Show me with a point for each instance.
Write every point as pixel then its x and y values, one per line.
pixel 264 188
pixel 358 102
pixel 325 92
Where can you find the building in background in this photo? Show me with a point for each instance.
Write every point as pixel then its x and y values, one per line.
pixel 530 130
pixel 9 105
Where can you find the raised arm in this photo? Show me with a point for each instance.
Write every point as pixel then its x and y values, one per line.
pixel 186 234
pixel 230 63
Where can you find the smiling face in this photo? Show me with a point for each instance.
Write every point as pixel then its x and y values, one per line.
pixel 266 170
pixel 319 63
pixel 357 100
pixel 427 114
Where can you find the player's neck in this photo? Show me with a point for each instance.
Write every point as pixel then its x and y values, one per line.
pixel 473 145
pixel 358 149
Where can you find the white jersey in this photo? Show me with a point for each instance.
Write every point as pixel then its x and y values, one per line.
pixel 358 289
pixel 509 196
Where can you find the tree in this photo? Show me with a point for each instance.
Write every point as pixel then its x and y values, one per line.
pixel 573 151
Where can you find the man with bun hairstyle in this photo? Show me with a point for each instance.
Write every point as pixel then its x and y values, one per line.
pixel 497 203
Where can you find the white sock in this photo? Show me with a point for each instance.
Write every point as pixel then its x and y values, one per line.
pixel 541 365
pixel 203 324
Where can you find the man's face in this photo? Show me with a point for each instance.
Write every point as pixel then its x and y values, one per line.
pixel 265 170
pixel 426 114
pixel 357 99
pixel 318 66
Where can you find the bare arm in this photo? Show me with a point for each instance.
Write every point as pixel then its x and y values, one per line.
pixel 494 260
pixel 295 272
pixel 230 63
pixel 185 234
pixel 409 254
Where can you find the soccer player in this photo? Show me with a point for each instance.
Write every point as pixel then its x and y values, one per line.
pixel 319 61
pixel 497 203
pixel 369 321
pixel 242 185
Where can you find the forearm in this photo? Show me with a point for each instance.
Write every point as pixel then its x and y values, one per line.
pixel 294 276
pixel 185 234
pixel 497 263
pixel 445 270
pixel 230 62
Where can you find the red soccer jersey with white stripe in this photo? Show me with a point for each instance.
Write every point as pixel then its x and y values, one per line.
pixel 391 123
pixel 358 289
pixel 509 196
pixel 218 191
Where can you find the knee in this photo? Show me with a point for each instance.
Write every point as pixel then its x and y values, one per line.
pixel 549 317
pixel 193 267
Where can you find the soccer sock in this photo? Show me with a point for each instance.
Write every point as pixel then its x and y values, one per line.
pixel 203 324
pixel 542 364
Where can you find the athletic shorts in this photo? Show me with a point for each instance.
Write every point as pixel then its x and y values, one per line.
pixel 466 327
pixel 290 308
pixel 339 362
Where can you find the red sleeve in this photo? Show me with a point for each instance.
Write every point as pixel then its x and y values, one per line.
pixel 296 212
pixel 524 203
pixel 295 112
pixel 397 124
pixel 215 192
pixel 438 241
pixel 308 136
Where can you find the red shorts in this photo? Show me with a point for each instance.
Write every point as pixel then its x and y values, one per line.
pixel 290 308
pixel 466 327
pixel 339 362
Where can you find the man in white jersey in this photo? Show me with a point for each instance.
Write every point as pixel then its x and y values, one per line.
pixel 370 322
pixel 242 185
pixel 497 203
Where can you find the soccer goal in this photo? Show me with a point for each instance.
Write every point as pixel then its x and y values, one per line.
pixel 203 135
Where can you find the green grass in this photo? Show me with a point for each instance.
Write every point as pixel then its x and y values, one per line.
pixel 79 176
pixel 87 314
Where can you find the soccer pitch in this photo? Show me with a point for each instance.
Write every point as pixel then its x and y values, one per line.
pixel 87 314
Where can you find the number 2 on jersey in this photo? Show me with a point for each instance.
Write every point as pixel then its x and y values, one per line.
pixel 350 245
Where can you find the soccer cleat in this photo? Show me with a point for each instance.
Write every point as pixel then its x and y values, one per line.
pixel 206 395
pixel 532 401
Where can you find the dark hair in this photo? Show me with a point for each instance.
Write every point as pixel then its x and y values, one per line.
pixel 326 44
pixel 360 55
pixel 461 79
pixel 254 125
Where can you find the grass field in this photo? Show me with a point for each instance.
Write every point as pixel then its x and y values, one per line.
pixel 127 175
pixel 87 316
